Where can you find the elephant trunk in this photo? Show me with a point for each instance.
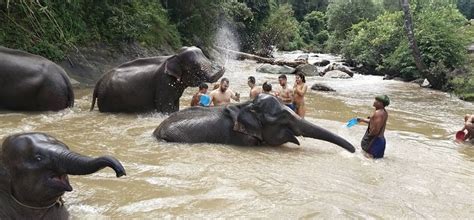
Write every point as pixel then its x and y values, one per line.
pixel 310 130
pixel 76 164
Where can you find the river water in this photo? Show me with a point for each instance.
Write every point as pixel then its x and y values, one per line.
pixel 424 174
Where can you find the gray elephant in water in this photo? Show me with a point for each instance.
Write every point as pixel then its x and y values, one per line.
pixel 263 121
pixel 154 83
pixel 33 175
pixel 32 83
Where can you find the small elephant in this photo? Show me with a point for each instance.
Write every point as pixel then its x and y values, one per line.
pixel 32 83
pixel 263 121
pixel 33 175
pixel 154 83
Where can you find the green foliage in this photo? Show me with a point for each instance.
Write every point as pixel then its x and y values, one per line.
pixel 466 7
pixel 381 45
pixel 304 7
pixel 197 21
pixel 281 29
pixel 369 43
pixel 313 28
pixel 342 14
pixel 463 84
pixel 50 28
pixel 438 36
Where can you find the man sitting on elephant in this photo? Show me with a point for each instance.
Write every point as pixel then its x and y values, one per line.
pixel 223 94
pixel 34 170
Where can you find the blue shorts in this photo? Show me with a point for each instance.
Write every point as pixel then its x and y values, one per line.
pixel 378 147
pixel 291 106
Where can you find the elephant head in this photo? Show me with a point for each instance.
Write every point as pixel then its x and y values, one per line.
pixel 191 67
pixel 35 168
pixel 273 123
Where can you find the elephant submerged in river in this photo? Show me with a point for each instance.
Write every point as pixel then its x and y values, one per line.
pixel 154 83
pixel 33 175
pixel 263 121
pixel 30 82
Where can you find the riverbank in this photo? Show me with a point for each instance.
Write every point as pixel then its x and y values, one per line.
pixel 85 65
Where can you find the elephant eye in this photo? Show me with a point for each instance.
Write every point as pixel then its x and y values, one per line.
pixel 38 158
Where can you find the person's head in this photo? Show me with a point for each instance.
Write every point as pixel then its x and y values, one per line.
pixel 282 80
pixel 224 84
pixel 267 87
pixel 299 77
pixel 203 88
pixel 251 81
pixel 381 101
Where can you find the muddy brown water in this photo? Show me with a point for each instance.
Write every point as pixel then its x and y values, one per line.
pixel 424 174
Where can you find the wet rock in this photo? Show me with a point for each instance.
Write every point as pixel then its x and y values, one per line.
pixel 339 67
pixel 322 63
pixel 275 69
pixel 337 74
pixel 322 87
pixel 302 58
pixel 307 70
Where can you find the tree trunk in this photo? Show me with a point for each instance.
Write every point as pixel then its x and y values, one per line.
pixel 241 55
pixel 413 46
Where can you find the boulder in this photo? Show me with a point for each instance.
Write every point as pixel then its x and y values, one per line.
pixel 322 63
pixel 307 70
pixel 337 74
pixel 335 66
pixel 275 69
pixel 302 58
pixel 322 87
pixel 425 84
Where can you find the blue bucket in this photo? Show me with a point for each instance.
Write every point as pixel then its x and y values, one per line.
pixel 205 100
pixel 352 122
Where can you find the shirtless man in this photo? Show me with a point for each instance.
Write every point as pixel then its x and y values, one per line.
pixel 284 93
pixel 267 88
pixel 469 126
pixel 373 142
pixel 197 96
pixel 299 91
pixel 222 95
pixel 254 90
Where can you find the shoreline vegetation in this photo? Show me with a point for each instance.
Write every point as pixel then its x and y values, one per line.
pixel 89 37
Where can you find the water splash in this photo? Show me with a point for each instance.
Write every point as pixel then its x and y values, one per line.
pixel 227 38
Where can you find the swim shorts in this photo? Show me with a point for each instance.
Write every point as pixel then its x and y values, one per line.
pixel 291 106
pixel 378 147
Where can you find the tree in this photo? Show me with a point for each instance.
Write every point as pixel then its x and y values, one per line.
pixel 411 38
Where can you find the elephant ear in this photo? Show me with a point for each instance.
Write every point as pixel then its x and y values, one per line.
pixel 173 67
pixel 245 120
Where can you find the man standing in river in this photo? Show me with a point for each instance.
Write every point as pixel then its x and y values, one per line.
pixel 373 142
pixel 222 95
pixel 254 90
pixel 284 93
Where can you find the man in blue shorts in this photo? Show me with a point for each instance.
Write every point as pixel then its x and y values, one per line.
pixel 373 142
pixel 284 93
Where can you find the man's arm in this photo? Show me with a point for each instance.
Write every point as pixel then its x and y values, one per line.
pixel 235 96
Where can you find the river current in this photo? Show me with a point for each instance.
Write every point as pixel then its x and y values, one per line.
pixel 424 174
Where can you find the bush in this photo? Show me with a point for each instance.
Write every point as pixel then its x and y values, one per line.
pixel 281 29
pixel 50 28
pixel 369 42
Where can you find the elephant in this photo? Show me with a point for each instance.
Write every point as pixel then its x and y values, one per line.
pixel 30 82
pixel 154 83
pixel 34 170
pixel 263 121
